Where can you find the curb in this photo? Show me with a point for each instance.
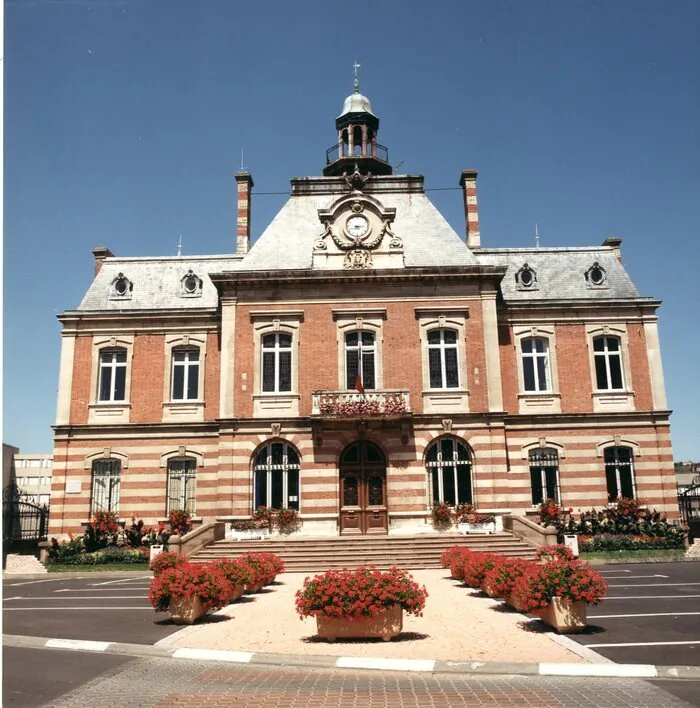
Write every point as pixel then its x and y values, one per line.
pixel 355 662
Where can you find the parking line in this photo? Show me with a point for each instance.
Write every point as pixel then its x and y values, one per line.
pixel 123 580
pixel 32 582
pixel 644 614
pixel 640 644
pixel 640 597
pixel 139 587
pixel 650 585
pixel 53 609
pixel 95 597
pixel 638 577
pixel 607 572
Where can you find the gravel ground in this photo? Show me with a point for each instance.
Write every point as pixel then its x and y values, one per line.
pixel 458 624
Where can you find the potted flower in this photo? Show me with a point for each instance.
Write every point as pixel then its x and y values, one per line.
pixel 189 591
pixel 236 573
pixel 165 561
pixel 361 603
pixel 483 523
pixel 442 515
pixel 287 520
pixel 262 569
pixel 464 516
pixel 457 560
pixel 180 522
pixel 500 580
pixel 559 551
pixel 559 592
pixel 476 565
pixel 449 553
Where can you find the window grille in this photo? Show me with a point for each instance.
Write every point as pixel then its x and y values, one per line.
pixel 106 479
pixel 619 473
pixel 544 475
pixel 449 464
pixel 276 476
pixel 182 484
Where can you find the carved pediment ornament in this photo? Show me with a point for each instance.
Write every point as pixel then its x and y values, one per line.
pixel 356 180
pixel 357 259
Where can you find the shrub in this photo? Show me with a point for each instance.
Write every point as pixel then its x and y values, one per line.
pixel 112 554
pixel 476 565
pixel 449 553
pixel 187 581
pixel 248 524
pixel 235 572
pixel 457 563
pixel 501 578
pixel 180 522
pixel 166 561
pixel 287 519
pixel 264 515
pixel 559 551
pixel 359 593
pixel 101 531
pixel 66 550
pixel 261 567
pixel 571 580
pixel 629 542
pixel 465 513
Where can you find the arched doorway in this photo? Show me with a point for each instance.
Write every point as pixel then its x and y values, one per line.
pixel 363 507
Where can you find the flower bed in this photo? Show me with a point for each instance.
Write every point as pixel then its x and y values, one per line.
pixel 626 542
pixel 364 592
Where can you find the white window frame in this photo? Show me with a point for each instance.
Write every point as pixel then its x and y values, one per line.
pixel 616 464
pixel 269 468
pixel 113 366
pixel 184 476
pixel 536 356
pixel 360 319
pixel 608 354
pixel 113 490
pixel 442 347
pixel 186 365
pixel 537 401
pixel 437 466
pixel 543 474
pixel 184 409
pixel 361 349
pixel 277 350
pixel 618 399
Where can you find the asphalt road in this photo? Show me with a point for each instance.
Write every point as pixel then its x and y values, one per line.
pixel 651 615
pixel 93 606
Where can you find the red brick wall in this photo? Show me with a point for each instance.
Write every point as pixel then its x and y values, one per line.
pixel 147 372
pixel 574 369
pixel 80 392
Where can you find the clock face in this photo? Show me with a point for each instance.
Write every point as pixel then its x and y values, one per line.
pixel 357 226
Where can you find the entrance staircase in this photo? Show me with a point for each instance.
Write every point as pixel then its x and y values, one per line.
pixel 412 552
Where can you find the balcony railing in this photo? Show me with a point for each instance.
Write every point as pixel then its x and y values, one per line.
pixel 352 404
pixel 335 152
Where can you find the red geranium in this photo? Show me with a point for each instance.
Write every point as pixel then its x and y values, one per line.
pixel 476 565
pixel 188 581
pixel 554 552
pixel 165 561
pixel 501 578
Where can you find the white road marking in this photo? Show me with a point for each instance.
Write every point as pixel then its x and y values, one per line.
pixel 83 644
pixel 650 585
pixel 620 670
pixel 123 580
pixel 354 662
pixel 650 614
pixel 92 597
pixel 641 644
pixel 53 609
pixel 241 657
pixel 7 599
pixel 32 582
pixel 607 572
pixel 649 597
pixel 637 577
pixel 135 587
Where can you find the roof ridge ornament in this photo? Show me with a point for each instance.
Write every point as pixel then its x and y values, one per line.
pixel 356 180
pixel 356 82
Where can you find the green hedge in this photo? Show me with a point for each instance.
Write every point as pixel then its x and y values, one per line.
pixel 109 555
pixel 625 542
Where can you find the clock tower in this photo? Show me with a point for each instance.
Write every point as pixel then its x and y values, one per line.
pixel 357 146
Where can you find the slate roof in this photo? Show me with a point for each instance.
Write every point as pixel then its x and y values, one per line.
pixel 156 283
pixel 287 243
pixel 560 273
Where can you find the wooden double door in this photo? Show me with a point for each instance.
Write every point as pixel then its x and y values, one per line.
pixel 363 507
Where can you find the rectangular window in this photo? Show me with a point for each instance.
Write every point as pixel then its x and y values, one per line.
pixel 619 474
pixel 608 363
pixel 443 361
pixel 106 479
pixel 535 358
pixel 544 475
pixel 182 481
pixel 185 375
pixel 112 375
pixel 360 359
pixel 276 363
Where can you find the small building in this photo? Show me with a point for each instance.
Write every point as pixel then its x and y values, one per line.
pixel 33 477
pixel 361 362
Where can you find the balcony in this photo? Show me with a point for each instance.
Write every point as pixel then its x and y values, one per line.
pixel 349 405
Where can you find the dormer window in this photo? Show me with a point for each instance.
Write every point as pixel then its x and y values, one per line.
pixel 596 277
pixel 526 278
pixel 121 288
pixel 191 285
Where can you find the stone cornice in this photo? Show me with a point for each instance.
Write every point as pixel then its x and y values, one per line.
pixel 142 320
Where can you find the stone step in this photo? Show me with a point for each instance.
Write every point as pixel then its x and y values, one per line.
pixel 17 564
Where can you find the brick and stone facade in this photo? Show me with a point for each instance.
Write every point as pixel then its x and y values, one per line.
pixel 217 383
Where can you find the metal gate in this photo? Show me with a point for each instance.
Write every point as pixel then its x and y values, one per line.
pixel 689 507
pixel 21 519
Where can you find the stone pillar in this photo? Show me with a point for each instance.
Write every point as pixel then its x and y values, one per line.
pixel 491 350
pixel 65 378
pixel 656 372
pixel 244 187
pixel 228 334
pixel 471 208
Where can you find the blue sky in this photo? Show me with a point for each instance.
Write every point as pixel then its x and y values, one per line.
pixel 125 121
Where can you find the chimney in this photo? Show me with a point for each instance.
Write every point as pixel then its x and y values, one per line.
pixel 245 186
pixel 471 209
pixel 615 244
pixel 100 253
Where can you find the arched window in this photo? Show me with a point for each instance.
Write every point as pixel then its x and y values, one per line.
pixel 544 474
pixel 359 359
pixel 182 484
pixel 535 353
pixel 608 363
pixel 276 362
pixel 619 473
pixel 106 479
pixel 443 358
pixel 276 476
pixel 112 375
pixel 449 464
pixel 185 376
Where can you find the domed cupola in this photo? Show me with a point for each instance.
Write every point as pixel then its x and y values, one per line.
pixel 357 139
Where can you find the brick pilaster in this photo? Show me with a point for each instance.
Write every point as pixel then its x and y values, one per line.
pixel 471 209
pixel 244 183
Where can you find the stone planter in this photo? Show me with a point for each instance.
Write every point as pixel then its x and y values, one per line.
pixel 250 534
pixel 185 610
pixel 237 592
pixel 565 616
pixel 386 624
pixel 468 527
pixel 255 587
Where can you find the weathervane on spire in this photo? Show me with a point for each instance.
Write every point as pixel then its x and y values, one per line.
pixel 356 82
pixel 537 237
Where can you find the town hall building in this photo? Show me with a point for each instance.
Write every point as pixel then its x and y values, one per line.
pixel 359 362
